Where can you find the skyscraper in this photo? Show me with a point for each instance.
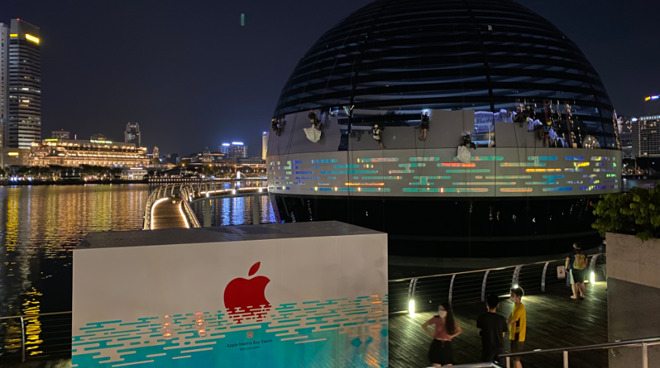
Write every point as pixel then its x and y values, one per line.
pixel 234 150
pixel 22 103
pixel 132 134
pixel 264 144
pixel 4 42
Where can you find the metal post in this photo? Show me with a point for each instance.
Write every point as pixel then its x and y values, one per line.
pixel 565 358
pixel 411 288
pixel 483 286
pixel 451 289
pixel 592 265
pixel 256 209
pixel 516 275
pixel 545 270
pixel 207 213
pixel 23 339
pixel 645 355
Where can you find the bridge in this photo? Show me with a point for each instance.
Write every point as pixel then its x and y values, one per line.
pixel 168 205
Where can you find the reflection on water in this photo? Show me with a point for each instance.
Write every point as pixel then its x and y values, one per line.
pixel 233 211
pixel 41 225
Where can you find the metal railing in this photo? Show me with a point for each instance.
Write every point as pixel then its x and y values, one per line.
pixel 643 343
pixel 190 192
pixel 426 292
pixel 55 332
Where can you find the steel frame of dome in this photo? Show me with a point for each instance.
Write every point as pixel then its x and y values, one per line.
pixel 405 56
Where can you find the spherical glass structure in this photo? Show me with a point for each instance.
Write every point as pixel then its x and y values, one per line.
pixel 483 55
pixel 468 128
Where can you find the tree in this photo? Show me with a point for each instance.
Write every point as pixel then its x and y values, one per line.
pixel 636 212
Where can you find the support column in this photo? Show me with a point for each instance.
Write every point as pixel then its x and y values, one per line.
pixel 207 213
pixel 256 209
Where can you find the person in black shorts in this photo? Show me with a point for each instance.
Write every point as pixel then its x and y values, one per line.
pixel 492 328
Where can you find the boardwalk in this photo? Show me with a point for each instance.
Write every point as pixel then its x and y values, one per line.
pixel 167 214
pixel 553 321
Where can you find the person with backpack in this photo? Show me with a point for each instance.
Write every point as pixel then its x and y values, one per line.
pixel 576 265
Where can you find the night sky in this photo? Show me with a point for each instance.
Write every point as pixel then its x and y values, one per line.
pixel 194 77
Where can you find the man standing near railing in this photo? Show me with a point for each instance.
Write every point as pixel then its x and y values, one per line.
pixel 492 328
pixel 517 324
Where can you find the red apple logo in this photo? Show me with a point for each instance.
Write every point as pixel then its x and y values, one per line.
pixel 245 299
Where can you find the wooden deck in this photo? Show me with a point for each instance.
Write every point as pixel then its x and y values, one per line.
pixel 167 214
pixel 553 321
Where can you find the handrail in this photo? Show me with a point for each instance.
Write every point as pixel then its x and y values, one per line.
pixel 35 315
pixel 476 271
pixel 451 287
pixel 22 319
pixel 190 192
pixel 645 342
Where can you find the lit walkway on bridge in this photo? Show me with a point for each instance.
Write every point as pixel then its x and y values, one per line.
pixel 167 213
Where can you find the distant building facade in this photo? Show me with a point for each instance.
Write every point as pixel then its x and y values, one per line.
pixel 4 42
pixel 647 136
pixel 234 150
pixel 132 134
pixel 21 67
pixel 264 144
pixel 60 134
pixel 646 129
pixel 62 152
pixel 625 127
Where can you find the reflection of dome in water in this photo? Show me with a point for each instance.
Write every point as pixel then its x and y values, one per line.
pixel 479 55
pixel 542 142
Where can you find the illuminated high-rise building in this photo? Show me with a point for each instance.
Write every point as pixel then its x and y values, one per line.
pixel 234 150
pixel 22 60
pixel 4 41
pixel 132 134
pixel 646 131
pixel 264 144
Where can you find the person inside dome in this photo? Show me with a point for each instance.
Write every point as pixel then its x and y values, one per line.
pixel 424 126
pixel 376 131
pixel 314 120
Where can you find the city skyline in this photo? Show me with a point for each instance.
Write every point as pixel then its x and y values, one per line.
pixel 199 75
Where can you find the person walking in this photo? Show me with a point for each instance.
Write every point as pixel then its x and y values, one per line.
pixel 576 263
pixel 492 329
pixel 517 324
pixel 444 331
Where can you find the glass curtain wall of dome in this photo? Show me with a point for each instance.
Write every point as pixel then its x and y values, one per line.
pixel 460 128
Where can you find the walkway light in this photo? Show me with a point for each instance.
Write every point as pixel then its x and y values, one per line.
pixel 411 307
pixel 592 277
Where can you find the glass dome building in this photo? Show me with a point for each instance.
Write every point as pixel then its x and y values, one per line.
pixel 465 128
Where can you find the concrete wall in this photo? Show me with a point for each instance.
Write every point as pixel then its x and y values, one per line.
pixel 633 296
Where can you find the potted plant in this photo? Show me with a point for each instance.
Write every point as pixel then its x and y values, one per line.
pixel 631 225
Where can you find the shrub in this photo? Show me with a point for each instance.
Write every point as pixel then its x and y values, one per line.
pixel 636 212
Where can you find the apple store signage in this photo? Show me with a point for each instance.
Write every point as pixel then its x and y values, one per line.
pixel 303 302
